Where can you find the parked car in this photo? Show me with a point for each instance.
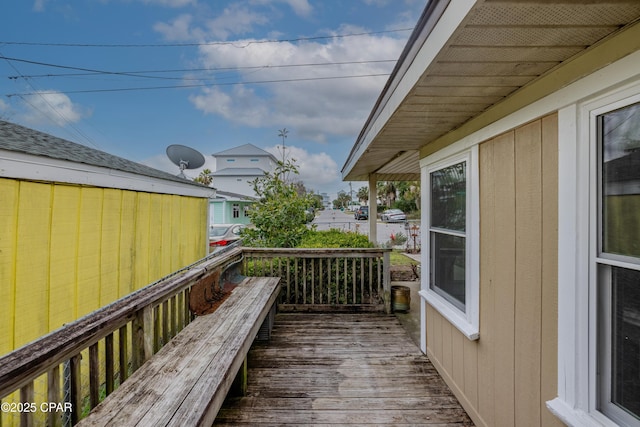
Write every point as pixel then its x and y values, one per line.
pixel 361 213
pixel 393 215
pixel 224 234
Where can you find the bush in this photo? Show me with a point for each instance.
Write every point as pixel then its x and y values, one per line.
pixel 334 239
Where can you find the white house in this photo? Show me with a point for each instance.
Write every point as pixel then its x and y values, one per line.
pixel 237 167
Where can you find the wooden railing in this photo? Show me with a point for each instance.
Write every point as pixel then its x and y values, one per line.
pixel 55 380
pixel 325 279
pixel 59 378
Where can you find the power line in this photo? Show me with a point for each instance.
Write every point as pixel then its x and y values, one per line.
pixel 198 85
pixel 243 45
pixel 52 107
pixel 143 73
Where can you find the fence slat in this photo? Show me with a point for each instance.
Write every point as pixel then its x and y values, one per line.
pixel 27 396
pixel 54 418
pixel 75 388
pixel 94 375
pixel 109 361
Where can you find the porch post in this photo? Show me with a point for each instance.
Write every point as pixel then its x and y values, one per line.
pixel 373 209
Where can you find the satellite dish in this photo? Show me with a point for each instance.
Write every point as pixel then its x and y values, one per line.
pixel 185 157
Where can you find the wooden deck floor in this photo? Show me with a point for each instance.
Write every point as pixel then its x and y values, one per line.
pixel 339 369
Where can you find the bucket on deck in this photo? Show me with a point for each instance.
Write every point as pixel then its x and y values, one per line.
pixel 400 298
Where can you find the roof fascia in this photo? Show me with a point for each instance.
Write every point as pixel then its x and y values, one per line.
pixel 438 22
pixel 14 165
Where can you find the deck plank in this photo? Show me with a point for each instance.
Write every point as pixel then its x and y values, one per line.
pixel 342 369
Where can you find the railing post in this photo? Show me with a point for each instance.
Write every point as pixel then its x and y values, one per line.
pixel 386 281
pixel 143 336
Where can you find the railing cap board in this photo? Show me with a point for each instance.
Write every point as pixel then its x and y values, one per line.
pixel 19 367
pixel 317 252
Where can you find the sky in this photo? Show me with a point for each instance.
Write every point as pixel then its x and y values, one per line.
pixel 131 77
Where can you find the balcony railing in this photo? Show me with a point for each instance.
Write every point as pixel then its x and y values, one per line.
pixel 77 366
pixel 325 279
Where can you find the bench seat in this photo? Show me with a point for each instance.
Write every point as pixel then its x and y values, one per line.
pixel 186 382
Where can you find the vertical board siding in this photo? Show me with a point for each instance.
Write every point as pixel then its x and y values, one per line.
pixel 528 284
pixel 64 258
pixel 549 351
pixel 33 239
pixel 9 193
pixel 505 378
pixel 67 250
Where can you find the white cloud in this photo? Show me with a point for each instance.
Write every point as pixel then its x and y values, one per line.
pixel 318 171
pixel 179 29
pixel 234 19
pixel 53 106
pixel 38 5
pixel 316 107
pixel 300 7
pixel 171 3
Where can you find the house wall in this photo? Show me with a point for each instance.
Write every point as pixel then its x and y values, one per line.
pixel 235 184
pixel 67 250
pixel 505 377
pixel 221 212
pixel 262 162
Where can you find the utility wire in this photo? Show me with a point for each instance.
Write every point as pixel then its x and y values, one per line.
pixel 52 107
pixel 238 44
pixel 131 89
pixel 143 73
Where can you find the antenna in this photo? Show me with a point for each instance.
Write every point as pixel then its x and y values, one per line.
pixel 185 158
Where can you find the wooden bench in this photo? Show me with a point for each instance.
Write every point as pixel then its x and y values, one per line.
pixel 186 382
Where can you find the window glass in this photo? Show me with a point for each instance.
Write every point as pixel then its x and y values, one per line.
pixel 449 197
pixel 619 230
pixel 625 342
pixel 448 217
pixel 448 267
pixel 620 204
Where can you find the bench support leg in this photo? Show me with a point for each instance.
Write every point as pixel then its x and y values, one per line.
pixel 239 387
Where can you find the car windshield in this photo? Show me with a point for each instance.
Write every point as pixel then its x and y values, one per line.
pixel 217 231
pixel 395 211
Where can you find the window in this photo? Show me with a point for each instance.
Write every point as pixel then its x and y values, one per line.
pixel 617 260
pixel 236 210
pixel 599 260
pixel 451 283
pixel 246 210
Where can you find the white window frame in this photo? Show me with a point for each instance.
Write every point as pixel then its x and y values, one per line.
pixel 578 399
pixel 467 321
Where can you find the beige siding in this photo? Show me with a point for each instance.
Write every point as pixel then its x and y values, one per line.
pixel 505 377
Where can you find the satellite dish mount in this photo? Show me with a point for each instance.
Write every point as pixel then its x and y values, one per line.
pixel 185 158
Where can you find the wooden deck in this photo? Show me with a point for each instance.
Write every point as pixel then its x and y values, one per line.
pixel 339 369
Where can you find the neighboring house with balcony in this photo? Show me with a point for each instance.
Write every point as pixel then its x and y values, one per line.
pixel 237 167
pixel 81 228
pixel 522 120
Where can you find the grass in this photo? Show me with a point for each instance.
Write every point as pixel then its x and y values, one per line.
pixel 398 258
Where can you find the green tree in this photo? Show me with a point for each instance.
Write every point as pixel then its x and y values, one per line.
pixel 363 194
pixel 342 201
pixel 204 177
pixel 279 215
pixel 386 191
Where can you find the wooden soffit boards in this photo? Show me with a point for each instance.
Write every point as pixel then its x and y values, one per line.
pixel 501 56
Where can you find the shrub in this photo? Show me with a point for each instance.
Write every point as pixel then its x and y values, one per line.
pixel 334 239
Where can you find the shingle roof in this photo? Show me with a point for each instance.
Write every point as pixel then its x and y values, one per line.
pixel 243 150
pixel 21 139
